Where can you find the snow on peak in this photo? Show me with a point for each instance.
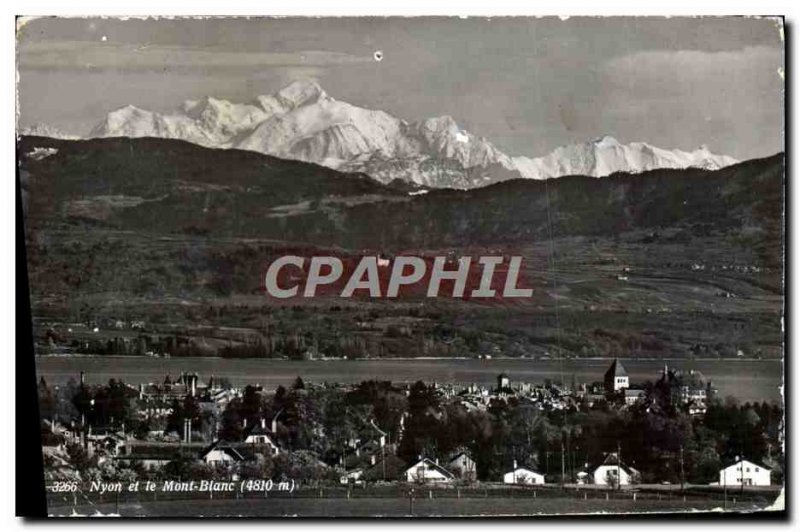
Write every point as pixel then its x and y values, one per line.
pixel 606 141
pixel 439 124
pixel 606 155
pixel 44 130
pixel 300 121
pixel 301 92
pixel 442 137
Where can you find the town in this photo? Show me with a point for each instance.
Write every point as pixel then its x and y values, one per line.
pixel 611 433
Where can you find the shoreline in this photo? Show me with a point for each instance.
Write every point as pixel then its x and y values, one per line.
pixel 375 359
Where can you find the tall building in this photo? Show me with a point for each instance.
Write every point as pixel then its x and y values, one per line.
pixel 616 377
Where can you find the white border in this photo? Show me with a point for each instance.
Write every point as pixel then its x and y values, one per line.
pixel 323 8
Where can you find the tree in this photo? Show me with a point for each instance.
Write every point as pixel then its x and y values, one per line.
pixel 422 427
pixel 231 422
pixel 78 457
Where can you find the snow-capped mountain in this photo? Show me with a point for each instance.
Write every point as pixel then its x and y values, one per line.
pixel 606 155
pixel 44 130
pixel 302 122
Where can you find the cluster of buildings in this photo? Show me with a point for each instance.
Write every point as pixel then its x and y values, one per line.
pixel 689 390
pixel 374 458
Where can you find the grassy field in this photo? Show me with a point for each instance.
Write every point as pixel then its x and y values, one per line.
pixel 394 501
pixel 394 507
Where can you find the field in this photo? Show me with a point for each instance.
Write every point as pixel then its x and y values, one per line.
pixel 427 503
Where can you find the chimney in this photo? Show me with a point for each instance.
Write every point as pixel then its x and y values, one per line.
pixel 436 461
pixel 141 391
pixel 53 425
pixel 244 423
pixel 275 425
pixel 263 424
pixel 515 464
pixel 123 429
pixel 372 459
pixel 194 384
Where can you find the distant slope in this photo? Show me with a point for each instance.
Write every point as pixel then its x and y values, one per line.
pixel 171 186
pixel 167 186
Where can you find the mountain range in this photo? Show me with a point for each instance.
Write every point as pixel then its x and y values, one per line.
pixel 302 122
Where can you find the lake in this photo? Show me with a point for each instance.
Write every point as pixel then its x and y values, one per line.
pixel 747 380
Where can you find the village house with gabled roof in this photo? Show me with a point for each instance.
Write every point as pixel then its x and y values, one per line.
pixel 428 471
pixel 744 472
pixel 522 475
pixel 612 472
pixel 262 438
pixel 224 453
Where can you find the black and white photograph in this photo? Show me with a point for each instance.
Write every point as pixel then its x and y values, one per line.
pixel 404 267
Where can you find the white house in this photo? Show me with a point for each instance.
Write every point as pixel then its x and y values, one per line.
pixel 744 471
pixel 521 475
pixel 260 436
pixel 606 475
pixel 221 453
pixel 632 396
pixel 355 475
pixel 427 470
pixel 612 473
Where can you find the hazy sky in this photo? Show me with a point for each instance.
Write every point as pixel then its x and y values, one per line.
pixel 528 85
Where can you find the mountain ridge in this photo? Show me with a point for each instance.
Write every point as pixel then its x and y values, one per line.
pixel 175 186
pixel 302 122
